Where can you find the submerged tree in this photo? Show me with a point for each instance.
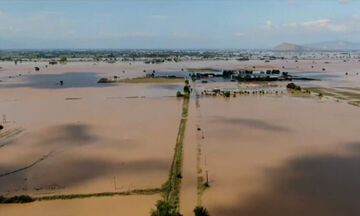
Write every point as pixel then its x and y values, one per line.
pixel 63 59
pixel 201 211
pixel 293 86
pixel 165 208
pixel 227 94
pixel 179 94
pixel 186 89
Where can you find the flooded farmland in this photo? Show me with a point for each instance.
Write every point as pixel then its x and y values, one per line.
pixel 83 138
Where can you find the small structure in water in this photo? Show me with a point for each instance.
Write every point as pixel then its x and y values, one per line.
pixel 53 62
pixel 114 79
pixel 272 89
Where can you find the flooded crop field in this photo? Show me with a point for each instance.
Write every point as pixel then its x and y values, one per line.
pixel 248 148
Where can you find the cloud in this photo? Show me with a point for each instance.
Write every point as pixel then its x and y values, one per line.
pixel 269 25
pixel 127 35
pixel 290 25
pixel 325 24
pixel 181 35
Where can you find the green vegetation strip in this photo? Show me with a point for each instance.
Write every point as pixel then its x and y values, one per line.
pixel 150 191
pixel 170 205
pixel 172 186
pixel 352 98
pixel 323 91
pixel 26 198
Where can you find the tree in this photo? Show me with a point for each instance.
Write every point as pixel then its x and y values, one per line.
pixel 293 86
pixel 16 199
pixel 179 94
pixel 201 211
pixel 63 59
pixel 164 208
pixel 186 89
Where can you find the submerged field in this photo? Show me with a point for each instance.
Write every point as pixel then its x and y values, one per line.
pixel 278 156
pixel 91 206
pixel 271 154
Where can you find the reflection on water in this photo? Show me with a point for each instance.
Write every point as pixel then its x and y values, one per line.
pixel 325 76
pixel 174 87
pixel 70 80
pixel 181 74
pixel 251 123
pixel 325 184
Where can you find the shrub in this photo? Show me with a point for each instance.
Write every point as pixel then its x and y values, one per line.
pixel 179 94
pixel 63 59
pixel 164 208
pixel 227 94
pixel 293 86
pixel 16 199
pixel 201 211
pixel 186 89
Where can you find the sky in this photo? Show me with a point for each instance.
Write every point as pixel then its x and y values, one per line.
pixel 175 24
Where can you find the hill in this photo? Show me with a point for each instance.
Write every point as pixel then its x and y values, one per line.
pixel 288 47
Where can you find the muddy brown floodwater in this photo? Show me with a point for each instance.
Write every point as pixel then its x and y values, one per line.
pixel 91 206
pixel 279 156
pixel 264 155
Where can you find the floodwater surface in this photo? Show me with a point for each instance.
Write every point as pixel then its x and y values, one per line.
pixel 279 156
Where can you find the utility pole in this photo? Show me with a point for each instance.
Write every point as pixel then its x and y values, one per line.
pixel 115 183
pixel 207 178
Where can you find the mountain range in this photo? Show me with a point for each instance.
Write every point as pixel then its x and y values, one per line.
pixel 321 46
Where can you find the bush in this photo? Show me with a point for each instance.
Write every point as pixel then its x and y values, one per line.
pixel 16 199
pixel 227 94
pixel 179 94
pixel 293 86
pixel 164 208
pixel 63 59
pixel 201 211
pixel 186 89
